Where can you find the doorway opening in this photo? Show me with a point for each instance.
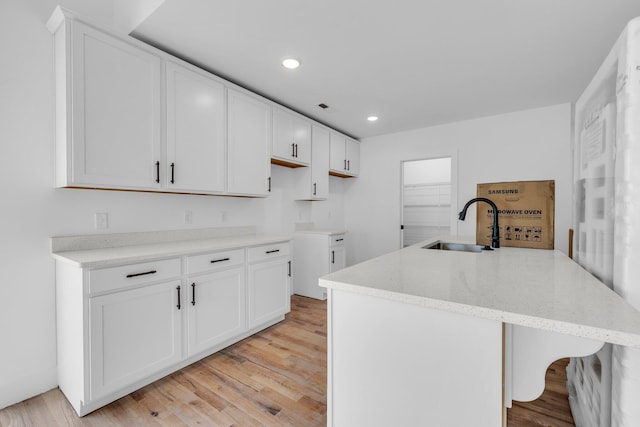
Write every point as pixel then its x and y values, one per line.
pixel 426 199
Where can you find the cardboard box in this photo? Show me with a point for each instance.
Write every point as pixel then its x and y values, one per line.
pixel 526 213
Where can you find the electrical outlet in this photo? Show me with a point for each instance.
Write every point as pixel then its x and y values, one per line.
pixel 188 217
pixel 101 220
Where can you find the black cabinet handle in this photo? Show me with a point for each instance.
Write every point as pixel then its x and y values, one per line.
pixel 213 261
pixel 289 268
pixel 296 150
pixel 269 180
pixel 178 289
pixel 273 251
pixel 158 172
pixel 333 257
pixel 193 294
pixel 129 276
pixel 345 164
pixel 173 167
pixel 339 240
pixel 293 149
pixel 348 165
pixel 314 188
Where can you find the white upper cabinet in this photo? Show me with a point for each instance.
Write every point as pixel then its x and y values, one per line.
pixel 345 156
pixel 131 117
pixel 109 121
pixel 291 139
pixel 320 163
pixel 353 157
pixel 249 140
pixel 313 183
pixel 196 143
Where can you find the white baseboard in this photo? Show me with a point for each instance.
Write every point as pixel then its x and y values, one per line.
pixel 23 387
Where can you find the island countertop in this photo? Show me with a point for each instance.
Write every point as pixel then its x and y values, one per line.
pixel 537 288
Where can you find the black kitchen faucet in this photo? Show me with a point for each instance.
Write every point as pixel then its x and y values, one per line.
pixel 495 238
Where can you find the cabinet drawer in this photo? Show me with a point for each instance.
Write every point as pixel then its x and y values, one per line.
pixel 265 252
pixel 108 279
pixel 214 261
pixel 338 239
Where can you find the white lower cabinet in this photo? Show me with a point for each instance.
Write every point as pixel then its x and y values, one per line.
pixel 134 333
pixel 316 254
pixel 268 283
pixel 123 327
pixel 216 309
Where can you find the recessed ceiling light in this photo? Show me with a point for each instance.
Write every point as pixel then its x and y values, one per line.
pixel 291 63
pixel 372 118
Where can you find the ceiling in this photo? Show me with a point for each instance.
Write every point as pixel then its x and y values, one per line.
pixel 413 63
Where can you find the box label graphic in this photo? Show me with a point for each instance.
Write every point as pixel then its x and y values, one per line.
pixel 526 213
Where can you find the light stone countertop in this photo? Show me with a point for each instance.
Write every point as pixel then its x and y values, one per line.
pixel 119 249
pixel 542 289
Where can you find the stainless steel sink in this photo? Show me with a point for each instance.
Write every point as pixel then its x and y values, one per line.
pixel 460 247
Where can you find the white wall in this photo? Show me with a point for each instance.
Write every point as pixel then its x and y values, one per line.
pixel 520 146
pixel 31 210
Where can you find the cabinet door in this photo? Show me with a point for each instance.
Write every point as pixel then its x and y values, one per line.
pixel 291 138
pixel 320 163
pixel 134 334
pixel 337 260
pixel 216 305
pixel 301 130
pixel 115 112
pixel 353 157
pixel 338 161
pixel 269 295
pixel 195 132
pixel 249 140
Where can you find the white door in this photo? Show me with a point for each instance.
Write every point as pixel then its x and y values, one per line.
pixel 353 157
pixel 249 142
pixel 337 258
pixel 427 194
pixel 196 142
pixel 338 160
pixel 320 163
pixel 134 334
pixel 216 306
pixel 116 112
pixel 269 295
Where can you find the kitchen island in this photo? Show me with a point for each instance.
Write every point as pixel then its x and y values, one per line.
pixel 447 338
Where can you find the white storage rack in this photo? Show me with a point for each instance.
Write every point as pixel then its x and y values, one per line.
pixel 604 388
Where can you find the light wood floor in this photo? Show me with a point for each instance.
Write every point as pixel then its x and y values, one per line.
pixel 274 378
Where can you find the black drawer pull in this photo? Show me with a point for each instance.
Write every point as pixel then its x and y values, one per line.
pixel 173 167
pixel 333 257
pixel 289 268
pixel 213 261
pixel 273 251
pixel 129 276
pixel 158 172
pixel 178 289
pixel 193 294
pixel 339 240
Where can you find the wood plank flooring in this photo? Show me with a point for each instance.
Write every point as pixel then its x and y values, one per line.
pixel 549 410
pixel 274 378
